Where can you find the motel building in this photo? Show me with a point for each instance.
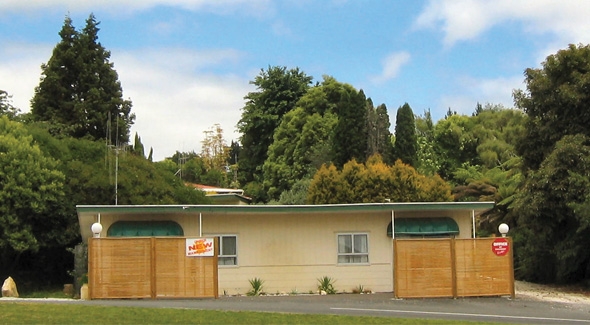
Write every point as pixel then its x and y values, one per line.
pixel 409 249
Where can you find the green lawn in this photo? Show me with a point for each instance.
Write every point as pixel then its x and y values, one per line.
pixel 35 313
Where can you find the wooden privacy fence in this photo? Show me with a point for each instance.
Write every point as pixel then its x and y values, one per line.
pixel 451 267
pixel 149 267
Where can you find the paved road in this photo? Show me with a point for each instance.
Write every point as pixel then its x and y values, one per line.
pixel 496 309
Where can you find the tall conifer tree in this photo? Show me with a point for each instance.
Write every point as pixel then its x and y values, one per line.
pixel 79 93
pixel 406 142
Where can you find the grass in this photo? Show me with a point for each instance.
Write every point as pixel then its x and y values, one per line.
pixel 45 293
pixel 33 313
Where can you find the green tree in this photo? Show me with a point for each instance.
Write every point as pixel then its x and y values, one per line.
pixel 296 152
pixel 379 136
pixel 406 141
pixel 350 132
pixel 553 225
pixel 555 101
pixel 79 93
pixel 31 186
pixel 278 90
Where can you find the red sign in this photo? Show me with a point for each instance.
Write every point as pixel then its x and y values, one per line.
pixel 500 246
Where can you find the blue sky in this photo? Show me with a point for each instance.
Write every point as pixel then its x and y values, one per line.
pixel 186 64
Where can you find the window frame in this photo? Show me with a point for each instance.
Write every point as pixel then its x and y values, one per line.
pixel 221 256
pixel 350 256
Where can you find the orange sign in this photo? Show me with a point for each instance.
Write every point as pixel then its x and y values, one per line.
pixel 200 247
pixel 500 246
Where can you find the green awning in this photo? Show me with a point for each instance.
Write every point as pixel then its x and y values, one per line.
pixel 144 229
pixel 424 226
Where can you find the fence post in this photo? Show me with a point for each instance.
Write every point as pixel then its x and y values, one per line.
pixel 153 268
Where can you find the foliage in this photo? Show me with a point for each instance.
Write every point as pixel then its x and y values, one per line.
pixel 379 136
pixel 350 131
pixel 555 101
pixel 297 147
pixel 6 107
pixel 31 186
pixel 326 284
pixel 375 182
pixel 79 93
pixel 278 90
pixel 215 152
pixel 406 142
pixel 257 286
pixel 553 233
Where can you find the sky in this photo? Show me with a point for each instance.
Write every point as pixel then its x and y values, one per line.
pixel 187 65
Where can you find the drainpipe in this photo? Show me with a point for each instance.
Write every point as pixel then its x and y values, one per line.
pixel 473 221
pixel 200 225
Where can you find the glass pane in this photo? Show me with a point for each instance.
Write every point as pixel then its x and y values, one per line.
pixel 228 245
pixel 360 244
pixel 226 261
pixel 344 243
pixel 343 259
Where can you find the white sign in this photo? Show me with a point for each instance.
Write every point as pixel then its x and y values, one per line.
pixel 200 247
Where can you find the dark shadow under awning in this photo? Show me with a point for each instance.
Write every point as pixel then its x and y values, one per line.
pixel 424 226
pixel 144 229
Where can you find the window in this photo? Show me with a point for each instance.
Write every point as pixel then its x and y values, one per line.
pixel 353 248
pixel 228 250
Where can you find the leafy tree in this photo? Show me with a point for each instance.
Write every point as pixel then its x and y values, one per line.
pixel 31 186
pixel 324 186
pixel 215 152
pixel 6 107
pixel 376 182
pixel 296 152
pixel 79 93
pixel 556 102
pixel 553 225
pixel 406 142
pixel 455 144
pixel 278 90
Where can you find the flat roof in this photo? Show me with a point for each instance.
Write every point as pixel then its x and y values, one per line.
pixel 88 214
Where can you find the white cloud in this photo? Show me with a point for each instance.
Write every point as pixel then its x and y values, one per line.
pixel 462 20
pixel 391 66
pixel 175 101
pixel 483 91
pixel 20 69
pixel 174 98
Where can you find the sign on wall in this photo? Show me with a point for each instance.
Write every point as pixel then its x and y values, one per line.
pixel 200 247
pixel 500 246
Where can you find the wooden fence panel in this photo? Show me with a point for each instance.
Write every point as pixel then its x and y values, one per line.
pixel 423 268
pixel 480 272
pixel 119 268
pixel 451 268
pixel 149 267
pixel 179 276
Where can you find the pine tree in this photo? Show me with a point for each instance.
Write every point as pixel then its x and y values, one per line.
pixel 79 93
pixel 406 142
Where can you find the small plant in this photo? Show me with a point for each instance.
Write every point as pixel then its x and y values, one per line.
pixel 359 289
pixel 294 292
pixel 326 284
pixel 256 285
